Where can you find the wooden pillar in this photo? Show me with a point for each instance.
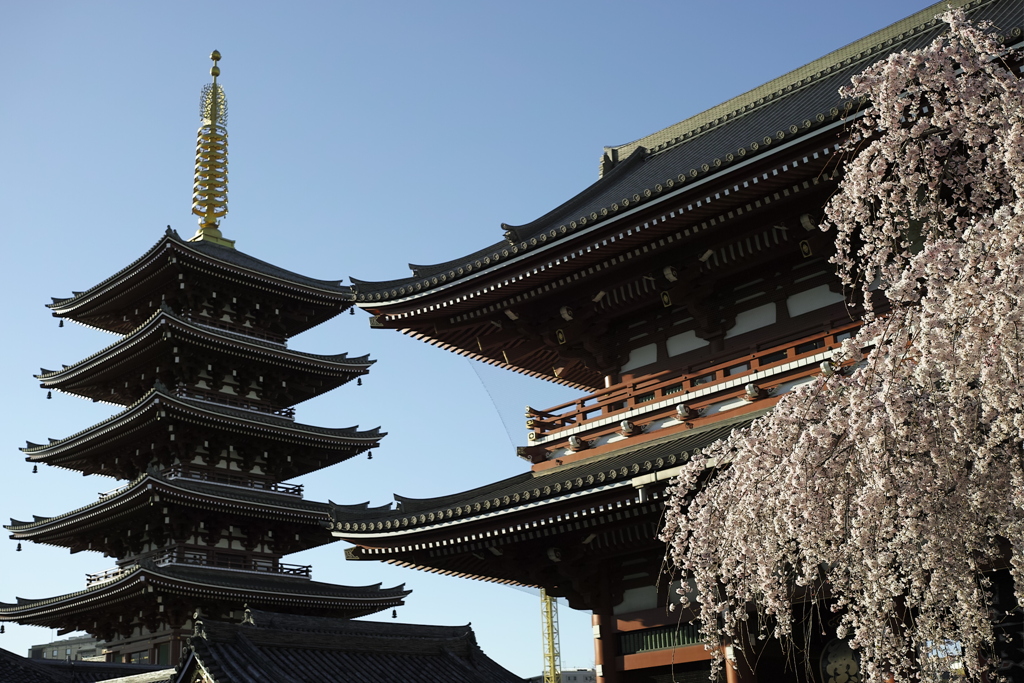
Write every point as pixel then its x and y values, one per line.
pixel 177 640
pixel 737 667
pixel 604 647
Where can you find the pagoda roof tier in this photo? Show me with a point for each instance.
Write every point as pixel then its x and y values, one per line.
pixel 131 507
pixel 525 494
pixel 714 185
pixel 268 646
pixel 161 414
pixel 98 609
pixel 170 340
pixel 121 302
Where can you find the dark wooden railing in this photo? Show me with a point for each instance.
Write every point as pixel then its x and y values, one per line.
pixel 218 397
pixel 177 471
pixel 662 638
pixel 236 329
pixel 105 575
pixel 201 559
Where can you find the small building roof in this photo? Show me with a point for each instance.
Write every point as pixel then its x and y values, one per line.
pixel 284 648
pixel 17 669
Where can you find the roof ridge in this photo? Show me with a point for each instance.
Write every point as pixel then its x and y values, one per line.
pixel 858 51
pixel 170 235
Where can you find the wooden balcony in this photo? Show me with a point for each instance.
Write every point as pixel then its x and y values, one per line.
pixel 181 556
pixel 178 472
pixel 659 394
pixel 220 398
pixel 632 642
pixel 234 562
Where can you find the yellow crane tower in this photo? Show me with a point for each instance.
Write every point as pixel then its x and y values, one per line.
pixel 549 633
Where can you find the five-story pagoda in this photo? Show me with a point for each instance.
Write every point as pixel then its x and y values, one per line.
pixel 205 441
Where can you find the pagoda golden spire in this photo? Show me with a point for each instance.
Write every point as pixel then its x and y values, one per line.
pixel 210 189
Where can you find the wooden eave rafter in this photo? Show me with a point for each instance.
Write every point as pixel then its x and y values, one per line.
pixel 488 553
pixel 53 611
pixel 572 485
pixel 164 328
pixel 450 527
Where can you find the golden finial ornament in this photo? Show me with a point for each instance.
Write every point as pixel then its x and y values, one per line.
pixel 210 189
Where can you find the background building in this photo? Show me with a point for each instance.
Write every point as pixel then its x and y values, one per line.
pixel 570 676
pixel 84 648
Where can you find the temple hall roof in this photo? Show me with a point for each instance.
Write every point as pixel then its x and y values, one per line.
pixel 528 491
pixel 796 106
pixel 301 649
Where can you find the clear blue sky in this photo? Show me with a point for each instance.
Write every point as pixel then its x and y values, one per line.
pixel 364 136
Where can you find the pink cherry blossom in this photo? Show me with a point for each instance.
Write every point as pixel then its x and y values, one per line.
pixel 888 493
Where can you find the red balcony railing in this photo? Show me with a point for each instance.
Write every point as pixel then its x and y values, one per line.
pixel 620 398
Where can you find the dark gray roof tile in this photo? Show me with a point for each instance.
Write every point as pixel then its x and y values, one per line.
pixel 299 649
pixel 588 473
pixel 809 94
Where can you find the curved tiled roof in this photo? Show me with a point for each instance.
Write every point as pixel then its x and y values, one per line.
pixel 251 263
pixel 141 484
pixel 793 107
pixel 16 669
pixel 227 256
pixel 278 585
pixel 163 396
pixel 163 314
pixel 268 646
pixel 189 580
pixel 614 469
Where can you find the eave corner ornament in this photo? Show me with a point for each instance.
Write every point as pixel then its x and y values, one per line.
pixel 210 189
